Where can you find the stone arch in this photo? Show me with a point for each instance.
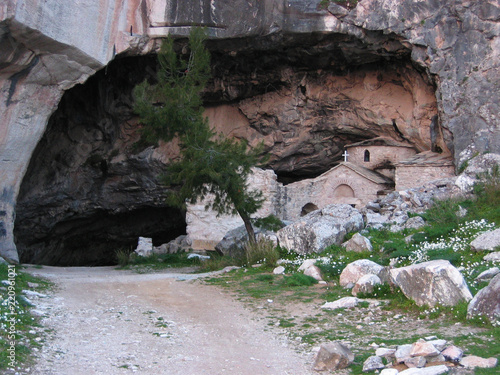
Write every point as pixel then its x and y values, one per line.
pixel 344 191
pixel 309 207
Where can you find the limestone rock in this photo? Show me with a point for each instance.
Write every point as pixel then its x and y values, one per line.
pixel 438 344
pixel 487 301
pixel 3 261
pixel 233 242
pixel 389 371
pixel 357 269
pixel 175 246
pixel 431 283
pixel 433 370
pixel 306 264
pixel 472 361
pixel 487 241
pixel 333 356
pixel 424 349
pixel 366 284
pixel 385 352
pixel 488 274
pixel 314 272
pixel 320 229
pixel 358 243
pixel 403 353
pixel 144 247
pixel 453 353
pixel 414 223
pixel 417 362
pixel 493 257
pixel 280 270
pixel 373 363
pixel 343 303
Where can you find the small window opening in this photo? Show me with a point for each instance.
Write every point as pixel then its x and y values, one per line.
pixel 367 156
pixel 310 207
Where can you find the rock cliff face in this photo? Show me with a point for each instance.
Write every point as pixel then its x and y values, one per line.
pixel 305 80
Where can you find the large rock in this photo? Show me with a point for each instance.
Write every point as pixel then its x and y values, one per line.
pixel 487 241
pixel 432 283
pixel 233 243
pixel 359 268
pixel 366 284
pixel 144 247
pixel 333 356
pixel 358 243
pixel 487 301
pixel 320 229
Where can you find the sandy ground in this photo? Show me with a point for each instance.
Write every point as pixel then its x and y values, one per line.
pixel 106 321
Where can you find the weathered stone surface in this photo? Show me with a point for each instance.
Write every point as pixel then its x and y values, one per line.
pixel 494 256
pixel 417 362
pixel 373 363
pixel 487 241
pixel 333 356
pixel 366 284
pixel 433 370
pixel 432 283
pixel 345 303
pixel 385 352
pixel 389 371
pixel 403 353
pixel 453 353
pixel 144 247
pixel 357 269
pixel 280 270
pixel 438 344
pixel 488 274
pixel 175 246
pixel 472 361
pixel 358 243
pixel 320 229
pixel 233 242
pixel 424 349
pixel 487 301
pixel 477 166
pixel 314 272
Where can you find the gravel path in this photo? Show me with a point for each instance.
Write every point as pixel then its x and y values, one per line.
pixel 106 321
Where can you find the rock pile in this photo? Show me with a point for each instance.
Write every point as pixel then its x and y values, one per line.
pixel 429 356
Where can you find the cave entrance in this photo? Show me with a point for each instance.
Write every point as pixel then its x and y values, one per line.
pixel 88 191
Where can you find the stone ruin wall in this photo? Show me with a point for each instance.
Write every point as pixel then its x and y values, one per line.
pixel 379 155
pixel 411 176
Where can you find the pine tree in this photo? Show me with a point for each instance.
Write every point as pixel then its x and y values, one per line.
pixel 210 165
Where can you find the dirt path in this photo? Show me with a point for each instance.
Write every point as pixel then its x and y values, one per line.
pixel 106 321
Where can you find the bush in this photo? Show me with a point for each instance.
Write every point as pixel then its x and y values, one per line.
pixel 122 257
pixel 263 251
pixel 270 222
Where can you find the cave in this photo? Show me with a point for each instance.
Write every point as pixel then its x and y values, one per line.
pixel 93 188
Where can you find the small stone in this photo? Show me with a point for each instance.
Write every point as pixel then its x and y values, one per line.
pixel 373 363
pixel 424 349
pixel 493 257
pixel 438 344
pixel 333 356
pixel 452 353
pixel 417 362
pixel 472 361
pixel 314 272
pixel 346 302
pixel 33 285
pixel 488 274
pixel 434 370
pixel 435 359
pixel 386 353
pixel 389 371
pixel 279 270
pixel 403 353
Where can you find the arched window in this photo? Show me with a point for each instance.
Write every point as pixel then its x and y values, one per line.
pixel 367 155
pixel 310 207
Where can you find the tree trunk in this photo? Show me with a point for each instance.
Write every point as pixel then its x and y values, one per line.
pixel 248 226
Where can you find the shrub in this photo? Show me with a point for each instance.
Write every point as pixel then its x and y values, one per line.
pixel 263 251
pixel 122 257
pixel 270 222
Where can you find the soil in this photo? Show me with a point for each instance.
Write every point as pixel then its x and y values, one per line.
pixel 105 321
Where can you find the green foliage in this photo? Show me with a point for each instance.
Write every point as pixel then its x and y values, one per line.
pixel 299 279
pixel 122 257
pixel 270 222
pixel 169 107
pixel 262 251
pixel 209 164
